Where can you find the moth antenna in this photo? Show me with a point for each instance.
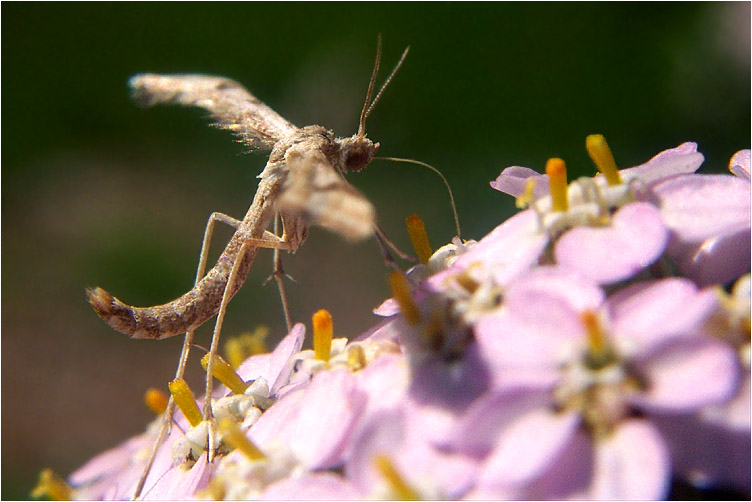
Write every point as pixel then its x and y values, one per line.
pixel 389 79
pixel 366 109
pixel 446 183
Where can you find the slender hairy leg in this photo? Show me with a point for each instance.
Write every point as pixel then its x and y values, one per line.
pixel 385 243
pixel 270 241
pixel 279 274
pixel 187 342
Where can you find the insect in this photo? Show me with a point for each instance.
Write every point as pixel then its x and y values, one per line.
pixel 303 184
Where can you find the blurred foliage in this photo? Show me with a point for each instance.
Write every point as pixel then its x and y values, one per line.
pixel 97 191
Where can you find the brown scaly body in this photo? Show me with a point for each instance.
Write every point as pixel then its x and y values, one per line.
pixel 200 303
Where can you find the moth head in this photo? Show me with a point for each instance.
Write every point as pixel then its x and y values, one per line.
pixel 357 152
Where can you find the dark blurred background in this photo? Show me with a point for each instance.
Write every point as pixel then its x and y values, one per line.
pixel 96 191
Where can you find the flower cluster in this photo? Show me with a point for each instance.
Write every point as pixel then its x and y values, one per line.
pixel 595 345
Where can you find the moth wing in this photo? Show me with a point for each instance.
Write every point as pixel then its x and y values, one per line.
pixel 229 104
pixel 317 193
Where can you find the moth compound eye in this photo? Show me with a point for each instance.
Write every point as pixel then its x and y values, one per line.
pixel 358 153
pixel 357 160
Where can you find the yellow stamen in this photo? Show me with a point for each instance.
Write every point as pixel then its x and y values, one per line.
pixel 417 230
pixel 599 352
pixel 240 348
pixel 222 371
pixel 156 400
pixel 596 338
pixel 556 170
pixel 356 357
pixel 400 489
pixel 232 435
pixel 322 335
pixel 401 292
pixel 183 397
pixel 467 283
pixel 603 158
pixel 527 196
pixel 52 486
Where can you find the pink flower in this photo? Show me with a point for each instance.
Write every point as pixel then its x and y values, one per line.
pixel 568 407
pixel 684 159
pixel 708 218
pixel 586 237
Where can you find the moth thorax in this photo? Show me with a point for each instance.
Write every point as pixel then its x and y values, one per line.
pixel 357 152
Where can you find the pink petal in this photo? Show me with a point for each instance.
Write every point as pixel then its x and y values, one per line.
pixel 161 467
pixel 382 433
pixel 281 363
pixel 580 293
pixel 708 453
pixel 387 329
pixel 313 486
pixel 179 483
pixel 735 413
pixel 686 375
pixel 739 164
pixel 275 422
pixel 527 446
pixel 492 493
pixel 684 159
pixel 534 330
pixel 510 249
pixel 275 367
pixel 388 307
pixel 450 386
pixel 566 477
pixel 512 181
pixel 635 238
pixel 254 367
pixel 568 474
pixel 633 463
pixel 384 382
pixel 428 423
pixel 451 474
pixel 109 462
pixel 333 404
pixel 717 260
pixel 698 207
pixel 647 312
pixel 477 432
pixel 400 439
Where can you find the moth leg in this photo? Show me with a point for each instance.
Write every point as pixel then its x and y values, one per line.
pixel 384 245
pixel 271 240
pixel 187 342
pixel 208 232
pixel 278 274
pixel 214 349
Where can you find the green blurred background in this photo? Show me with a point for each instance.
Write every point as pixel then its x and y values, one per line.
pixel 98 192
